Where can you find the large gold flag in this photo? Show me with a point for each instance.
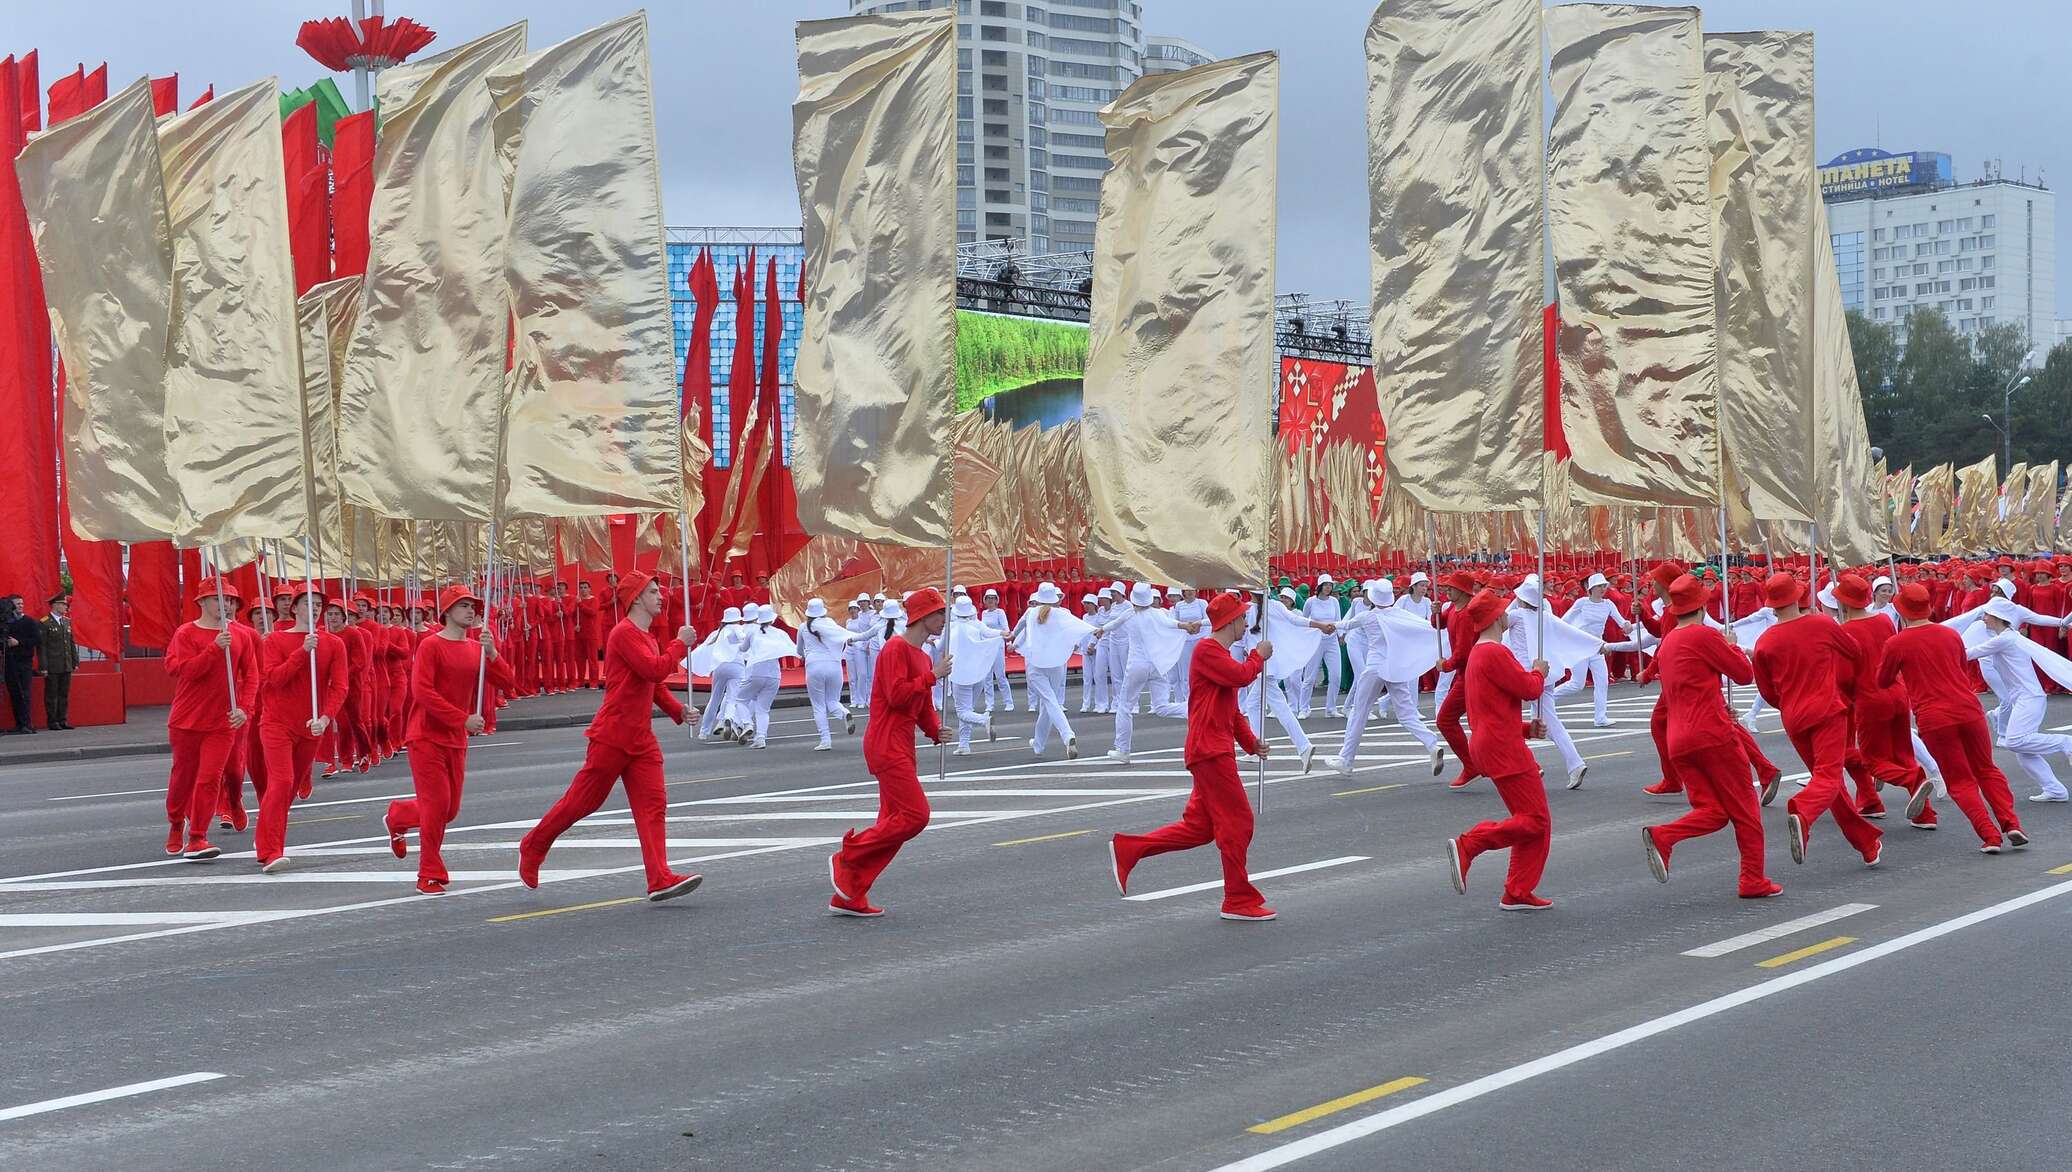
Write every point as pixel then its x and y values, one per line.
pixel 1852 522
pixel 1899 510
pixel 593 424
pixel 1937 490
pixel 326 314
pixel 1455 150
pixel 1628 165
pixel 1977 508
pixel 874 133
pixel 1760 98
pixel 1180 352
pixel 2039 532
pixel 423 394
pixel 95 197
pixel 234 414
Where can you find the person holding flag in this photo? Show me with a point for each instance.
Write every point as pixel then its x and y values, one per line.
pixel 449 678
pixel 623 747
pixel 1498 688
pixel 205 658
pixel 294 716
pixel 1217 810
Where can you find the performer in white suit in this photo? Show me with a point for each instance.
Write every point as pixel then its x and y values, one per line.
pixel 863 623
pixel 1522 636
pixel 1399 647
pixel 1322 607
pixel 1152 639
pixel 1186 608
pixel 996 683
pixel 1046 637
pixel 823 645
pixel 1589 614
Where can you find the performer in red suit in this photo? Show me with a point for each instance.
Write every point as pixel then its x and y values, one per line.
pixel 586 636
pixel 398 641
pixel 448 666
pixel 290 726
pixel 1796 667
pixel 1217 810
pixel 1460 640
pixel 207 718
pixel 1929 659
pixel 902 701
pixel 623 747
pixel 1881 750
pixel 1497 689
pixel 246 759
pixel 565 638
pixel 1700 733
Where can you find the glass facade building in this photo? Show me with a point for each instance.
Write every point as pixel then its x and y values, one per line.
pixel 730 248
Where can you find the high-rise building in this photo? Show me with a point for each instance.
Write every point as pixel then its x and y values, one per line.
pixel 730 249
pixel 1031 80
pixel 1908 236
pixel 1173 54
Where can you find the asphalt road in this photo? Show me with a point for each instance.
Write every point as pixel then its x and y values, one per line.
pixel 1010 1011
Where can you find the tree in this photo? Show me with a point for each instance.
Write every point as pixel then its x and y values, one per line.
pixel 1877 355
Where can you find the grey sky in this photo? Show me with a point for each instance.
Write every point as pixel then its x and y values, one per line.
pixel 1983 79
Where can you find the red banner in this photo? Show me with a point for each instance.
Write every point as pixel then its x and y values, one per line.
pixel 1327 403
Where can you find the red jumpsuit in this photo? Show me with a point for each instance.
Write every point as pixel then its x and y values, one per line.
pixel 199 724
pixel 902 701
pixel 284 726
pixel 347 742
pixel 1462 640
pixel 1930 660
pixel 1797 665
pixel 1707 755
pixel 586 642
pixel 1217 811
pixel 1497 689
pixel 443 678
pixel 397 643
pixel 1882 751
pixel 622 748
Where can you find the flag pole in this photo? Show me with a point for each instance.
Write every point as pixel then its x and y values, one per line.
pixel 488 589
pixel 229 664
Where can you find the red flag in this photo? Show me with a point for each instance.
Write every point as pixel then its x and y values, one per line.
pixel 309 198
pixel 154 593
pixel 165 95
pixel 208 95
pixel 96 87
pixel 770 417
pixel 703 283
pixel 30 90
pixel 352 166
pixel 190 581
pixel 1554 436
pixel 28 478
pixel 748 459
pixel 95 566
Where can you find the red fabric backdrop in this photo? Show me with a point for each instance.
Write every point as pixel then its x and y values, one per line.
pixel 28 477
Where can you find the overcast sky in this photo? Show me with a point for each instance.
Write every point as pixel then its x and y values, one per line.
pixel 1980 80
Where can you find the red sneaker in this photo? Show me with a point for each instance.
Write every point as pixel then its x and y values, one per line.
pixel 676 885
pixel 1255 915
pixel 175 838
pixel 1768 889
pixel 1919 812
pixel 1661 789
pixel 199 851
pixel 528 870
pixel 853 907
pixel 396 844
pixel 1872 809
pixel 1460 782
pixel 1525 903
pixel 1122 869
pixel 330 771
pixel 223 817
pixel 1767 792
pixel 431 887
pixel 303 788
pixel 834 871
pixel 238 818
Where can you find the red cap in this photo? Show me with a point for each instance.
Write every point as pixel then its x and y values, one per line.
pixel 1483 609
pixel 1852 592
pixel 631 586
pixel 1460 580
pixel 921 603
pixel 1687 594
pixel 209 586
pixel 457 594
pixel 1225 609
pixel 1781 590
pixel 1665 574
pixel 368 597
pixel 1912 602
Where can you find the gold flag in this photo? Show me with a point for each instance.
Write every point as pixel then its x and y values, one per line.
pixel 234 414
pixel 1759 89
pixel 423 393
pixel 1978 500
pixel 1180 351
pixel 2007 514
pixel 1455 150
pixel 874 134
pixel 95 198
pixel 1852 521
pixel 1937 490
pixel 1899 500
pixel 1628 203
pixel 593 427
pixel 326 314
pixel 2039 521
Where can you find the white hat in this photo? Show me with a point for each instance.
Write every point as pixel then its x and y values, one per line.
pixel 732 615
pixel 892 610
pixel 1529 590
pixel 1882 580
pixel 1287 594
pixel 1381 592
pixel 1142 594
pixel 1323 578
pixel 959 590
pixel 1418 577
pixel 1827 598
pixel 863 599
pixel 2005 611
pixel 766 613
pixel 1118 588
pixel 855 606
pixel 1595 581
pixel 1107 592
pixel 1048 594
pixel 2005 586
pixel 1172 592
pixel 963 608
pixel 880 596
pixel 992 593
pixel 816 609
pixel 1088 600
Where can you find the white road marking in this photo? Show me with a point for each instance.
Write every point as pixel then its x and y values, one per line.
pixel 1345 1133
pixel 241 878
pixel 1213 884
pixel 46 1106
pixel 126 919
pixel 1779 931
pixel 120 793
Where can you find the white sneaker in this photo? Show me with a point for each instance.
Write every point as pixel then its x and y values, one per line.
pixel 278 862
pixel 1343 767
pixel 1072 749
pixel 2056 797
pixel 1606 723
pixel 1438 759
pixel 1307 756
pixel 1118 758
pixel 961 751
pixel 1575 776
pixel 824 747
pixel 849 723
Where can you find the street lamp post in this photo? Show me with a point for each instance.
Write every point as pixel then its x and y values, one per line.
pixel 2014 384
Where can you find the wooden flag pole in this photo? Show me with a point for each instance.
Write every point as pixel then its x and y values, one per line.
pixel 229 663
